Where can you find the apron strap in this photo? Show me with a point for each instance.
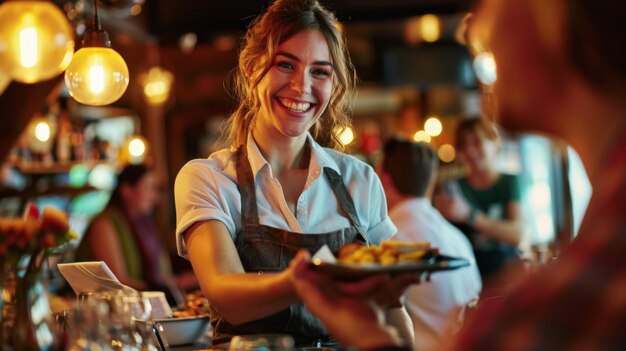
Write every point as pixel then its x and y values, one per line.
pixel 249 209
pixel 245 185
pixel 345 200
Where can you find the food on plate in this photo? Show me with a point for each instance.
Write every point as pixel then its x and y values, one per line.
pixel 196 304
pixel 348 249
pixel 388 253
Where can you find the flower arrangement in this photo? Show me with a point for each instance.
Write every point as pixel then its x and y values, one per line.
pixel 33 236
pixel 25 244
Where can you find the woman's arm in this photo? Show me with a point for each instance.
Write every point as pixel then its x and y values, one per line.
pixel 456 209
pixel 106 247
pixel 238 296
pixel 505 230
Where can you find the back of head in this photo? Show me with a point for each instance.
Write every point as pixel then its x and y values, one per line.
pixel 411 166
pixel 130 175
pixel 282 20
pixel 481 127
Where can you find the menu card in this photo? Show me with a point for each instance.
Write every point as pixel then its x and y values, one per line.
pixel 86 277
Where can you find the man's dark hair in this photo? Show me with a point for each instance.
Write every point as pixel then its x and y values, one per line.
pixel 410 165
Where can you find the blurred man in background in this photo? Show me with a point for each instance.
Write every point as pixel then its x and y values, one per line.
pixel 408 174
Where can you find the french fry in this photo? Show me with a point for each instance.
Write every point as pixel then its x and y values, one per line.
pixel 390 252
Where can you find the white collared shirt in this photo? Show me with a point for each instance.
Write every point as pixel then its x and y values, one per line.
pixel 206 189
pixel 436 308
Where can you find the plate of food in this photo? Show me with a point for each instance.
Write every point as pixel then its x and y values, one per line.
pixel 355 260
pixel 189 323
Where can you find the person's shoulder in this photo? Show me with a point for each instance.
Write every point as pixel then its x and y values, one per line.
pixel 218 162
pixel 509 181
pixel 104 221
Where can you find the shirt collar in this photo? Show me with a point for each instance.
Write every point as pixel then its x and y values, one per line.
pixel 319 157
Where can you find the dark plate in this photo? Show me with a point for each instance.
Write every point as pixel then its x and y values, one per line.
pixel 354 271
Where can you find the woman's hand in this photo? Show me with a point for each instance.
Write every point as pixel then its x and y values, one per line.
pixel 349 315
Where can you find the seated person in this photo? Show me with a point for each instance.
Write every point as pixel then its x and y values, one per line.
pixel 485 204
pixel 125 236
pixel 408 176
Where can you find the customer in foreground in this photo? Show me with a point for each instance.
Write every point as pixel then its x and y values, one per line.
pixel 561 72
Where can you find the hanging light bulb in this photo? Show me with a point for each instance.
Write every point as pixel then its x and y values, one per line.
pixel 36 40
pixel 97 74
pixel 157 84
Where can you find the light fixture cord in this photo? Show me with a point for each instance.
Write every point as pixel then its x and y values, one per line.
pixel 96 18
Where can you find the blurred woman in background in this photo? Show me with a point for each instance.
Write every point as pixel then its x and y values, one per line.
pixel 125 237
pixel 485 204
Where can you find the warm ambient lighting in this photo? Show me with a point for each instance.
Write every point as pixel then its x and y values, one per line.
pixel 430 28
pixel 433 126
pixel 485 68
pixel 136 147
pixel 446 153
pixel 157 84
pixel 97 75
pixel 42 131
pixel 36 40
pixel 421 136
pixel 346 136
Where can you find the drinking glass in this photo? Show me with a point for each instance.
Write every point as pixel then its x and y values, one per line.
pixel 262 342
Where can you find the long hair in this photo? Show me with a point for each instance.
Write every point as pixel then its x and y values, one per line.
pixel 282 20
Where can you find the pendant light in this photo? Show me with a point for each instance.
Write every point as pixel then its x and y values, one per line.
pixel 36 40
pixel 97 74
pixel 157 84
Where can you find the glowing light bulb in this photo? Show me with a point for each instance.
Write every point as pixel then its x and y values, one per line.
pixel 346 136
pixel 485 68
pixel 36 40
pixel 96 79
pixel 136 147
pixel 157 85
pixel 421 136
pixel 433 126
pixel 97 76
pixel 28 47
pixel 446 153
pixel 42 131
pixel 430 28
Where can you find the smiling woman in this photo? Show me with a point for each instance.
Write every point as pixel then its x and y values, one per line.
pixel 296 90
pixel 243 213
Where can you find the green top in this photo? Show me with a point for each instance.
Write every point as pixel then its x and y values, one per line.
pixel 493 202
pixel 129 248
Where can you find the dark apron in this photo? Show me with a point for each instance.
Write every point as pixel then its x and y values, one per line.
pixel 263 248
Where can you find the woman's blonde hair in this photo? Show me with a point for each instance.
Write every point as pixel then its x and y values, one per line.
pixel 282 20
